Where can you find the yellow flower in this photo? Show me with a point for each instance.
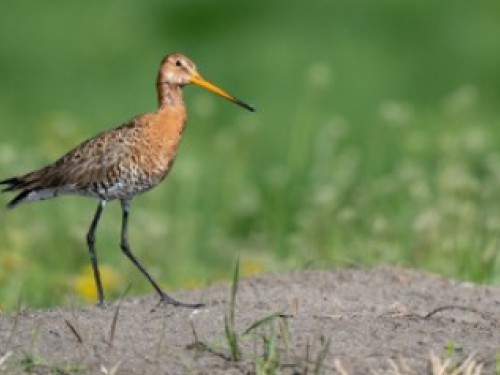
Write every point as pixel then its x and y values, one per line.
pixel 11 261
pixel 85 287
pixel 252 267
pixel 192 283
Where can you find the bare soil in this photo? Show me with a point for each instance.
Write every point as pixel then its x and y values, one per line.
pixel 362 320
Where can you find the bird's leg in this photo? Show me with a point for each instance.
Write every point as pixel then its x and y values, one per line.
pixel 93 256
pixel 124 245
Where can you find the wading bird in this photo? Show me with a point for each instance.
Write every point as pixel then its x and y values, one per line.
pixel 123 162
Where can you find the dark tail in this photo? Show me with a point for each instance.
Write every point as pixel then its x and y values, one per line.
pixel 12 184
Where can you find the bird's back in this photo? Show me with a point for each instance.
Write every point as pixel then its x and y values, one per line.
pixel 115 164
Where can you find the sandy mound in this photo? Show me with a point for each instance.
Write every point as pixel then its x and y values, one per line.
pixel 354 320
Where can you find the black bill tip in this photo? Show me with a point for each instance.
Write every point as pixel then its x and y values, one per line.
pixel 244 105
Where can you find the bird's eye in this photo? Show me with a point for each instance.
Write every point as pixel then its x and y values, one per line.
pixel 178 63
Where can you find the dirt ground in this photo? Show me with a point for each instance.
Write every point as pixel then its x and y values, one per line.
pixel 349 321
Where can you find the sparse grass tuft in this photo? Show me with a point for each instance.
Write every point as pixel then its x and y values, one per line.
pixel 439 366
pixel 232 336
pixel 446 367
pixel 319 363
pixel 36 364
pixel 268 362
pixel 273 335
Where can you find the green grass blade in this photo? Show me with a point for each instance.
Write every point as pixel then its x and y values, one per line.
pixel 321 357
pixel 234 291
pixel 265 320
pixel 229 326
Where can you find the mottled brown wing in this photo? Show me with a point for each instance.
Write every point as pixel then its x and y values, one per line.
pixel 95 161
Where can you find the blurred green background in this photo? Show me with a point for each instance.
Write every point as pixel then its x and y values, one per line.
pixel 376 141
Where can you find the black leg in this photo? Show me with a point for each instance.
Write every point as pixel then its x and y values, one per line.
pixel 93 256
pixel 124 245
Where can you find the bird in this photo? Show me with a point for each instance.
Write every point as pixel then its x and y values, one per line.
pixel 120 163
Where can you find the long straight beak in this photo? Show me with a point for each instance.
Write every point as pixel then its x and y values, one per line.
pixel 202 82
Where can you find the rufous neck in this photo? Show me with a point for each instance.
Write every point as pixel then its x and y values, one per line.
pixel 169 95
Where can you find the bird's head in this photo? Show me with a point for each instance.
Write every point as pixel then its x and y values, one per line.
pixel 177 69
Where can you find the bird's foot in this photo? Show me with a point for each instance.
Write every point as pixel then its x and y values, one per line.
pixel 165 299
pixel 102 304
